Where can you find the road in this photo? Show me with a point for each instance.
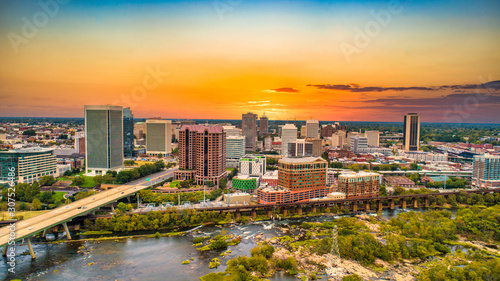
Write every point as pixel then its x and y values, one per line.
pixel 29 227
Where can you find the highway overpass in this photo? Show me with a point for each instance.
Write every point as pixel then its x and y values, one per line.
pixel 25 229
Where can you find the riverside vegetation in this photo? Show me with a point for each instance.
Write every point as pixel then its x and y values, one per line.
pixel 433 245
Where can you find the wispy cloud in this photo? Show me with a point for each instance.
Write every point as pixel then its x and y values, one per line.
pixel 286 90
pixel 357 88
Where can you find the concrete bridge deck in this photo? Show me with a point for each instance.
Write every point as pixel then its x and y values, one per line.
pixel 29 227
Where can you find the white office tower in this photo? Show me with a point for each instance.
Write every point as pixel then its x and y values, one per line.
pixel 338 139
pixel 235 147
pixel 232 131
pixel 103 138
pixel 350 135
pixel 158 137
pixel 373 138
pixel 358 143
pixel 252 164
pixel 312 128
pixel 288 134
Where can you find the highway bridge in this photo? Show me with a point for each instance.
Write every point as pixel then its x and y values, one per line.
pixel 26 229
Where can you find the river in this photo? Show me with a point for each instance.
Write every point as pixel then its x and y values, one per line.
pixel 142 258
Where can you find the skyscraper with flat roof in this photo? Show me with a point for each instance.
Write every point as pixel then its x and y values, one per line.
pixel 249 127
pixel 202 153
pixel 264 125
pixel 288 134
pixel 128 132
pixel 158 137
pixel 411 132
pixel 103 138
pixel 312 128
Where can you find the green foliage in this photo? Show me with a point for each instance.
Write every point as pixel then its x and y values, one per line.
pixel 36 204
pixel 352 277
pixel 47 181
pixel 24 192
pixel 142 171
pixel 78 181
pixel 29 133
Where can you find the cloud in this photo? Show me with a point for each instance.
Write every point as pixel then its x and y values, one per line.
pixel 357 88
pixel 282 90
pixel 495 85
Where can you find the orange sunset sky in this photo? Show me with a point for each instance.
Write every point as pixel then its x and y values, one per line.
pixel 285 58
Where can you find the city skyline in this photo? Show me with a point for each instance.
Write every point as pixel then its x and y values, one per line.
pixel 288 59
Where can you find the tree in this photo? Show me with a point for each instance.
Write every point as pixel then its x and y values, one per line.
pixel 36 204
pixel 78 181
pixel 63 137
pixel 47 181
pixel 46 197
pixel 29 133
pixel 352 277
pixel 98 179
pixel 122 207
pixel 413 166
pixel 223 183
pixel 382 191
pixel 67 173
pixel 210 183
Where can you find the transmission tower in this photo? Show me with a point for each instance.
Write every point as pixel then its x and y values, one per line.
pixel 335 244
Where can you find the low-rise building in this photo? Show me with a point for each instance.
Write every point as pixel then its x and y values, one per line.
pixel 398 181
pixel 246 182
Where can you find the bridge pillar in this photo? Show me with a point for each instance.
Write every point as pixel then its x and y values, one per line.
pixel 44 233
pixel 269 213
pixel 403 203
pixel 391 204
pixel 254 214
pixel 67 230
pixel 426 202
pixel 285 212
pixel 354 206
pixel 238 215
pixel 30 247
pixel 313 209
pixel 367 205
pixel 5 248
pixel 112 208
pixel 380 206
pixel 414 202
pixel 299 211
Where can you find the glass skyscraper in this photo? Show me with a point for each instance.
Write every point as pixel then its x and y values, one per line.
pixel 104 138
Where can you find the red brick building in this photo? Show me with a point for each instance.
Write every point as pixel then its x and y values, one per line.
pixel 202 153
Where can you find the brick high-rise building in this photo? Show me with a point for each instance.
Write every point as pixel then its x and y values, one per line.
pixel 264 125
pixel 202 153
pixel 359 185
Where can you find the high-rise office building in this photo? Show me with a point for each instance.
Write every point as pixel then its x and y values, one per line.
pixel 249 127
pixel 235 149
pixel 358 143
pixel 103 138
pixel 80 142
pixel 373 138
pixel 232 131
pixel 312 128
pixel 300 148
pixel 27 165
pixel 158 137
pixel 411 132
pixel 486 171
pixel 264 125
pixel 202 153
pixel 288 134
pixel 128 132
pixel 360 184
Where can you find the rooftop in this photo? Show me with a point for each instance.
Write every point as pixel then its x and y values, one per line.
pixel 29 150
pixel 301 159
pixel 202 128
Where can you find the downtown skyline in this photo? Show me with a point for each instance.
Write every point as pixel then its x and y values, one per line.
pixel 217 60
